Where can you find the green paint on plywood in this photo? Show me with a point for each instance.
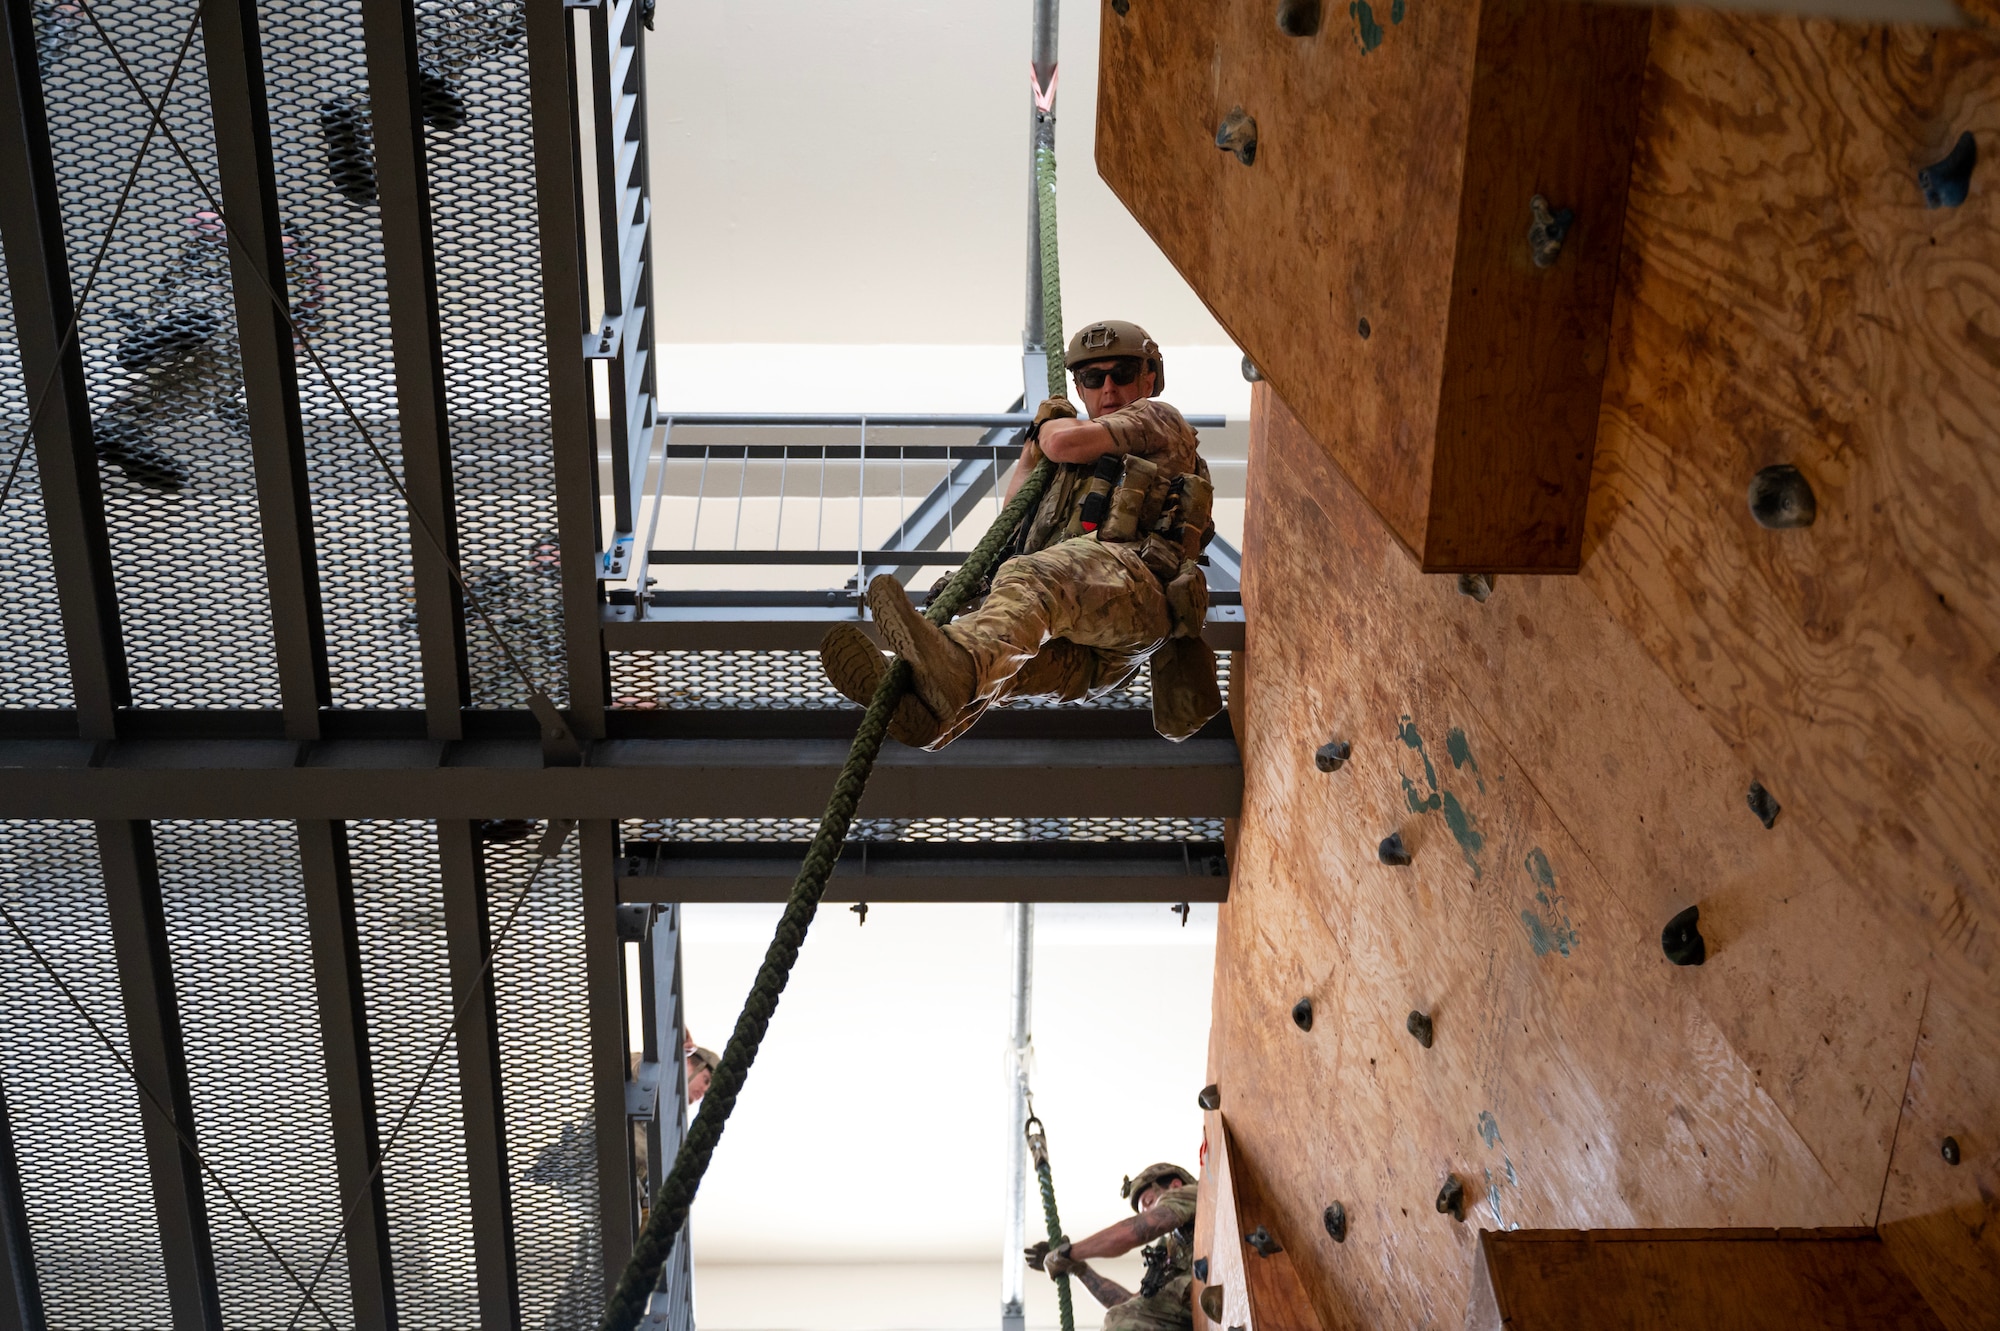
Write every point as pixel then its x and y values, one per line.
pixel 1461 755
pixel 1368 30
pixel 1470 843
pixel 1549 929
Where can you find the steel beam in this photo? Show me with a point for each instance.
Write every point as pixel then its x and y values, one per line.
pixel 610 1056
pixel 748 622
pixel 632 778
pixel 488 1191
pixel 20 1290
pixel 159 1062
pixel 389 30
pixel 931 871
pixel 65 456
pixel 572 418
pixel 235 62
pixel 343 1026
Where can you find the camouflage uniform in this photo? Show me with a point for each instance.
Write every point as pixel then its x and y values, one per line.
pixel 1073 617
pixel 1169 1275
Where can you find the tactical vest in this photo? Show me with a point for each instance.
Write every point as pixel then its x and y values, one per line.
pixel 1129 500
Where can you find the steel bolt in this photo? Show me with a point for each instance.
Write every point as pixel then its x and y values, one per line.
pixel 860 908
pixel 1260 1239
pixel 1302 1014
pixel 1762 803
pixel 1451 1198
pixel 1950 1151
pixel 1682 941
pixel 1419 1024
pixel 1392 851
pixel 1211 1303
pixel 1335 1220
pixel 1363 329
pixel 1330 756
pixel 1210 1097
pixel 1251 372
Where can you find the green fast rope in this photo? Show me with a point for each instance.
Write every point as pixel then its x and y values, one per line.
pixel 670 1208
pixel 1052 320
pixel 1039 1145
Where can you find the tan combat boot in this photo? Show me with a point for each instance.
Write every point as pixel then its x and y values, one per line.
pixel 944 672
pixel 856 666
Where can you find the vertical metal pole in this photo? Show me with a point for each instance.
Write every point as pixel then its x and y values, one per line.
pixel 1041 133
pixel 350 1081
pixel 1021 1035
pixel 572 419
pixel 159 1062
pixel 264 345
pixel 402 186
pixel 38 275
pixel 20 1291
pixel 610 1054
pixel 487 1187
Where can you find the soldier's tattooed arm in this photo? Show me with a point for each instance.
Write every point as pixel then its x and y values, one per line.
pixel 1107 1292
pixel 1119 1239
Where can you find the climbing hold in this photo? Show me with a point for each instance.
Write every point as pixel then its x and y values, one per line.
pixel 1546 230
pixel 1302 1014
pixel 1182 909
pixel 1945 183
pixel 1762 803
pixel 1251 372
pixel 1211 1303
pixel 1419 1024
pixel 1478 586
pixel 1260 1239
pixel 1451 1198
pixel 1950 1150
pixel 1782 499
pixel 1210 1097
pixel 1363 329
pixel 1682 941
pixel 1392 851
pixel 1238 134
pixel 1332 755
pixel 860 908
pixel 1201 1268
pixel 1298 18
pixel 1335 1220
pixel 1121 7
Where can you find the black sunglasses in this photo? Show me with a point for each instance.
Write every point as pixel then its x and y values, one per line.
pixel 1122 372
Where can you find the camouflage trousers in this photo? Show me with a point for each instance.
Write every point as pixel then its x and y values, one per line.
pixel 1168 1310
pixel 1069 622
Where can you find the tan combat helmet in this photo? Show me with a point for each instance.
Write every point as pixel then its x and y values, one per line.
pixel 1147 1177
pixel 708 1058
pixel 1115 337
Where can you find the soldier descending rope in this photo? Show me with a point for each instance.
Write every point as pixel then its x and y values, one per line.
pixel 1104 576
pixel 1163 1204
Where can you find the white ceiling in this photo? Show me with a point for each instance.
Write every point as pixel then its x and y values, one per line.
pixel 856 171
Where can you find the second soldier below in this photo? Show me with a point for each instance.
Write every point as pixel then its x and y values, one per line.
pixel 1105 579
pixel 1163 1201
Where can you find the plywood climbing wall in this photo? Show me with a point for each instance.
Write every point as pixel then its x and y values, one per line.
pixel 1568 761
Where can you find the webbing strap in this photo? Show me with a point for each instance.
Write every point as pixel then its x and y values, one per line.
pixel 670 1208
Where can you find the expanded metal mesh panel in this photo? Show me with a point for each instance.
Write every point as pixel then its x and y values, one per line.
pixel 942 831
pixel 316 83
pixel 34 664
pixel 235 909
pixel 160 351
pixel 718 680
pixel 482 181
pixel 75 1112
pixel 544 1023
pixel 406 978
